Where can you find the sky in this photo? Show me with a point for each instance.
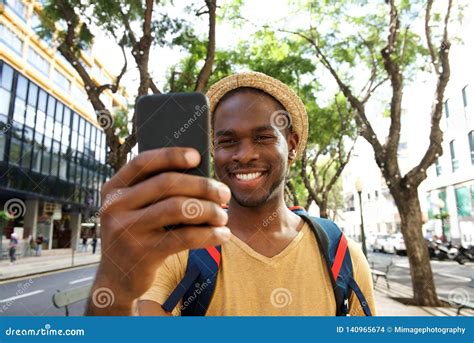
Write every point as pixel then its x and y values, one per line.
pixel 279 14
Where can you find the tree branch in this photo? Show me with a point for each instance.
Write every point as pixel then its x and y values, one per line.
pixel 415 176
pixel 206 69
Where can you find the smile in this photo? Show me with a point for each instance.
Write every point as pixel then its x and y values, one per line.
pixel 248 176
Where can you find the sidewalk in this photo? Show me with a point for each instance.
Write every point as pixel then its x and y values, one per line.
pixel 387 306
pixel 61 259
pixel 50 260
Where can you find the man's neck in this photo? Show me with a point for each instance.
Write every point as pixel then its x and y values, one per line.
pixel 271 224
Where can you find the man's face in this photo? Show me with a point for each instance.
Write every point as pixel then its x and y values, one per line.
pixel 251 147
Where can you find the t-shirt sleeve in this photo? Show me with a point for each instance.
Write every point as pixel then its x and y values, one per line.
pixel 363 277
pixel 167 277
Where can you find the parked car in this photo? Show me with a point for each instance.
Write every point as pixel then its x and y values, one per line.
pixel 383 243
pixel 398 244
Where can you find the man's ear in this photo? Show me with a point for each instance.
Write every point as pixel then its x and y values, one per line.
pixel 293 140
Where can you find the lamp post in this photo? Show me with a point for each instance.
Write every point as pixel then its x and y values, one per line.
pixel 359 187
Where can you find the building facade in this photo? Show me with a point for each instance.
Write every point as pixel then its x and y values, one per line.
pixel 52 150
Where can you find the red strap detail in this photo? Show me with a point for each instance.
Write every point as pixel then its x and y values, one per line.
pixel 292 208
pixel 215 254
pixel 340 253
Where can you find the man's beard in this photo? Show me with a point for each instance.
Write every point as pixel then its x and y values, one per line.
pixel 257 202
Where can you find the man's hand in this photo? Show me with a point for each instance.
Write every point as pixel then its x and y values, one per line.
pixel 142 198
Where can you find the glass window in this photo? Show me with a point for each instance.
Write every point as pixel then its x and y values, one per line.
pixel 46 156
pixel 464 96
pixel 55 159
pixel 6 77
pixel 75 122
pixel 37 151
pixel 42 100
pixel 32 94
pixel 4 101
pixel 3 128
pixel 49 127
pixel 51 103
pixel 61 80
pixel 19 111
pixel 40 63
pixel 15 150
pixel 11 39
pixel 67 116
pixel 27 148
pixel 446 108
pixel 18 7
pixel 21 87
pixel 30 116
pixel 463 203
pixel 74 137
pixel 471 145
pixel 454 161
pixel 57 130
pixel 82 123
pixel 438 168
pixel 40 121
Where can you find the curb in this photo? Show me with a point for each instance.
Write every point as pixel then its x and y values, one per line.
pixel 13 278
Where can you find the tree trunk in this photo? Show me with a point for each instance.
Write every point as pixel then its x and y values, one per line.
pixel 323 210
pixel 408 204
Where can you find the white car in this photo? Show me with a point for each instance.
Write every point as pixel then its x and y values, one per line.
pixel 383 243
pixel 398 244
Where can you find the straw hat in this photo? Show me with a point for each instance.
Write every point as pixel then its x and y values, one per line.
pixel 293 105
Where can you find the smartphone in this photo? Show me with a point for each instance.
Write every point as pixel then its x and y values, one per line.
pixel 175 120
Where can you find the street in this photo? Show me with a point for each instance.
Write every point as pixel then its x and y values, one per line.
pixel 33 296
pixel 449 276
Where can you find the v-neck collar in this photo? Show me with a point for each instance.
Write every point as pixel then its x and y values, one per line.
pixel 269 260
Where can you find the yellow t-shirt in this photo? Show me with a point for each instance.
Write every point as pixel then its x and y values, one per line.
pixel 294 282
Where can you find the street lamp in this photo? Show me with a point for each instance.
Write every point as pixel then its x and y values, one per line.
pixel 359 187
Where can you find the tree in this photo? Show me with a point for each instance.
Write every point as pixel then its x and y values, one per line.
pixel 329 126
pixel 398 58
pixel 71 23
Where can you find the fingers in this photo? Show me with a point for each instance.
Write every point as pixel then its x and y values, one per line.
pixel 171 184
pixel 179 210
pixel 150 162
pixel 192 238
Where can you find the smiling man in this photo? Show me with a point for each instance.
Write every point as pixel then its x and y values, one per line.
pixel 271 262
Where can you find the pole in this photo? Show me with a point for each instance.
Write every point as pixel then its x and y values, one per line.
pixel 362 233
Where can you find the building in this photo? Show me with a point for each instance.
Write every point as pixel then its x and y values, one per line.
pixel 52 150
pixel 447 195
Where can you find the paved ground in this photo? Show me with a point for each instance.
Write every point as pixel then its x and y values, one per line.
pixel 32 295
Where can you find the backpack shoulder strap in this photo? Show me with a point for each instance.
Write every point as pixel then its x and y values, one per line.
pixel 198 284
pixel 333 246
pixel 199 281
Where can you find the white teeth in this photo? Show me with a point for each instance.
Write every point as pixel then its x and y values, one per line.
pixel 247 177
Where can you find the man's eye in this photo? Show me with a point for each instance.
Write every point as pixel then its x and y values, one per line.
pixel 263 138
pixel 226 141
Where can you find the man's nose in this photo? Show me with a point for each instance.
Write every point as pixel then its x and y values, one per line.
pixel 245 153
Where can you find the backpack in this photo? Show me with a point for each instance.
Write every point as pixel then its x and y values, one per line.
pixel 198 284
